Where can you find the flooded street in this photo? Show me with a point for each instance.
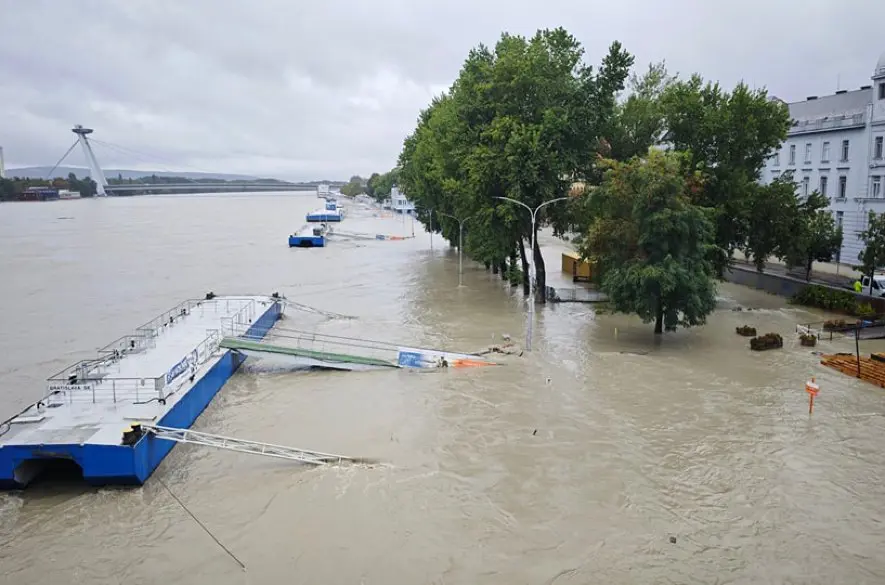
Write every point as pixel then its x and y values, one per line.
pixel 572 464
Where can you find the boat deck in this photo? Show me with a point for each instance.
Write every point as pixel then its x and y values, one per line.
pixel 140 377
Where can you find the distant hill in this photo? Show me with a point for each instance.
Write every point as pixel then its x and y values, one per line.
pixel 110 174
pixel 41 172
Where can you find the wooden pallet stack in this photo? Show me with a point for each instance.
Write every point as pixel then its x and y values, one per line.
pixel 872 369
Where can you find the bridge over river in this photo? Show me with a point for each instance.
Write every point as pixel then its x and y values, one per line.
pixel 104 188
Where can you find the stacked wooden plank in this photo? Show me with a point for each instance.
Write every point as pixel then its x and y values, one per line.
pixel 871 370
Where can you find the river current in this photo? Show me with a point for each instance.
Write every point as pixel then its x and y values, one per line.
pixel 579 462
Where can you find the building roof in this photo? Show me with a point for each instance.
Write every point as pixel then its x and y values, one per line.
pixel 880 66
pixel 840 104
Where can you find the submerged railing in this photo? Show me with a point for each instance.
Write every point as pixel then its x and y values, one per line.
pixel 575 295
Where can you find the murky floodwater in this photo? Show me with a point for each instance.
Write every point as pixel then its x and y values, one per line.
pixel 573 464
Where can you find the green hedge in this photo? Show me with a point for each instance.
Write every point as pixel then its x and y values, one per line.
pixel 833 300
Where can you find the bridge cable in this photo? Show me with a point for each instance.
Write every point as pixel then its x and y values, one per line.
pixel 129 154
pixel 61 160
pixel 155 158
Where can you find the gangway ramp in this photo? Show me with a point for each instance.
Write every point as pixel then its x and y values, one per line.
pixel 307 349
pixel 250 447
pixel 306 357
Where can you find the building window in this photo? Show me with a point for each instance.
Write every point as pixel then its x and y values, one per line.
pixel 839 218
pixel 843 187
pixel 876 190
pixel 845 145
pixel 882 91
pixel 776 159
pixel 878 148
pixel 792 154
pixel 807 152
pixel 805 182
pixel 825 152
pixel 823 186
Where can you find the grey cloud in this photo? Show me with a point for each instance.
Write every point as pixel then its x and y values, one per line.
pixel 301 90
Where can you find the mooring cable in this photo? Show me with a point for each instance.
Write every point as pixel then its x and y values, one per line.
pixel 201 525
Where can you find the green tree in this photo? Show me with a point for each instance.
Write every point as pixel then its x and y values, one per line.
pixel 772 213
pixel 815 236
pixel 651 244
pixel 639 121
pixel 370 184
pixel 353 188
pixel 728 136
pixel 522 121
pixel 873 255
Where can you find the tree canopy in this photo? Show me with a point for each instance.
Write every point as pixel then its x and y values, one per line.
pixel 521 121
pixel 651 244
pixel 530 120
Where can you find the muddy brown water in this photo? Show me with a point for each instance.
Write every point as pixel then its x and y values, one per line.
pixel 573 464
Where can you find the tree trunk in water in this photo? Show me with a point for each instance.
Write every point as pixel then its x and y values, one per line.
pixel 513 265
pixel 502 269
pixel 808 271
pixel 494 267
pixel 540 273
pixel 487 265
pixel 659 321
pixel 525 268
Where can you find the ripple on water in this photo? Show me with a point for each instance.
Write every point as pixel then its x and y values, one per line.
pixel 572 464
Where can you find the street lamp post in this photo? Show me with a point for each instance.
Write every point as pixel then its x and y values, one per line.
pixel 461 223
pixel 534 214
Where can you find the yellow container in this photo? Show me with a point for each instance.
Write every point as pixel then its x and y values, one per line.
pixel 579 269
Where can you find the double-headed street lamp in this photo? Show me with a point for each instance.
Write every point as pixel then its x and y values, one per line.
pixel 460 242
pixel 534 213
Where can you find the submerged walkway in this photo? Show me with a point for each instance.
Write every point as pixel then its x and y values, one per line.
pixel 323 356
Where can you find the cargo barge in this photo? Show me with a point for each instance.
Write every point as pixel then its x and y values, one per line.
pixel 163 374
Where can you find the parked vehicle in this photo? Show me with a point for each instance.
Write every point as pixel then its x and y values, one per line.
pixel 878 285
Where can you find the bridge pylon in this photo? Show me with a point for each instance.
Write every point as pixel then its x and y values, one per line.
pixel 91 161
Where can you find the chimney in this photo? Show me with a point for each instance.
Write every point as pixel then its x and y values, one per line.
pixel 2 167
pixel 811 97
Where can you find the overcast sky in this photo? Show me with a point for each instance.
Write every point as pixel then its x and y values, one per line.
pixel 306 90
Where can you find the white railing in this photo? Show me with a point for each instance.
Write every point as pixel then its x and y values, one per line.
pixel 89 380
pixel 827 123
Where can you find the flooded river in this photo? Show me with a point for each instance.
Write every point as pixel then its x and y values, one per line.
pixel 573 464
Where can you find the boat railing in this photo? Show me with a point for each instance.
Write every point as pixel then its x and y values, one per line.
pixel 239 322
pixel 158 324
pixel 92 380
pixel 131 390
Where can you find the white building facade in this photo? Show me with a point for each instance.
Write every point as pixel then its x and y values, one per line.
pixel 399 202
pixel 837 146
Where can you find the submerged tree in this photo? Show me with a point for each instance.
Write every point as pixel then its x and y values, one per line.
pixel 814 236
pixel 521 121
pixel 651 244
pixel 772 213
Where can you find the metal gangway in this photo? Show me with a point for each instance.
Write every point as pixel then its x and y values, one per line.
pixel 250 447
